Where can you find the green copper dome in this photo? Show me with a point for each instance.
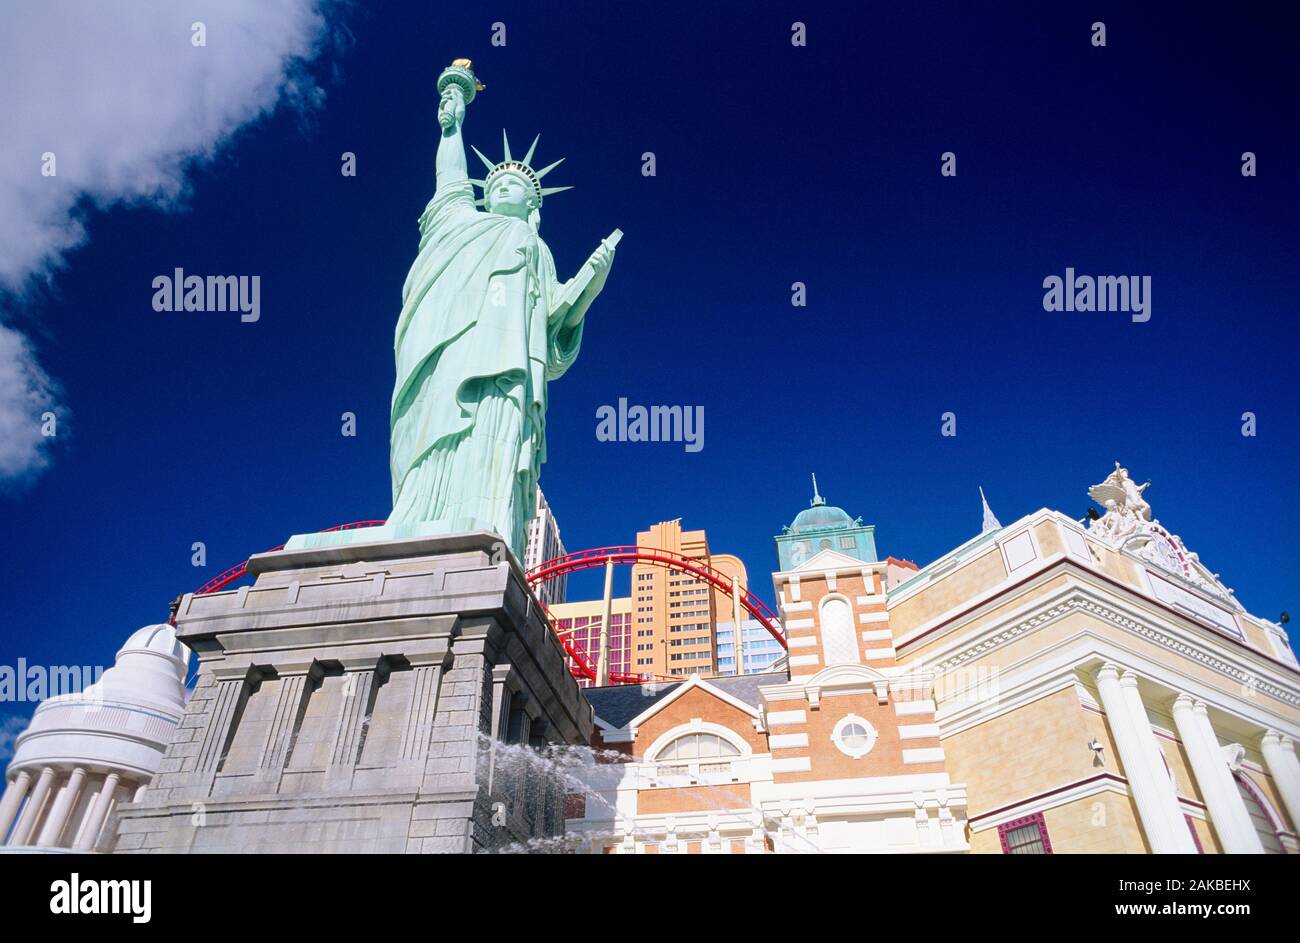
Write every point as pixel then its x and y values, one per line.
pixel 824 527
pixel 821 516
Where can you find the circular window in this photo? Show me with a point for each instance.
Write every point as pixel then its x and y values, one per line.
pixel 854 736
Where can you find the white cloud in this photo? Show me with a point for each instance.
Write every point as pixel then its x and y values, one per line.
pixel 11 726
pixel 25 393
pixel 126 103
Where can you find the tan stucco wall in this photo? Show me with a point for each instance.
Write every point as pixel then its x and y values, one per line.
pixel 1106 823
pixel 969 581
pixel 1022 753
pixel 1033 750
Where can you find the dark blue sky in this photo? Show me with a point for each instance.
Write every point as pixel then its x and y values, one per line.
pixel 775 164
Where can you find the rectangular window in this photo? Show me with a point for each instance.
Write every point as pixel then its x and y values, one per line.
pixel 1025 836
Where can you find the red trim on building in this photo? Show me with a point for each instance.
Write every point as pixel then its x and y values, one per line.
pixel 1265 807
pixel 1191 827
pixel 1051 792
pixel 1035 819
pixel 1066 563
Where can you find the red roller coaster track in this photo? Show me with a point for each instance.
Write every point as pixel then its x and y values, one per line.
pixel 665 559
pixel 222 580
pixel 581 560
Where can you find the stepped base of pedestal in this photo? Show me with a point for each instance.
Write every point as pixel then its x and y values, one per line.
pixel 387 533
pixel 349 701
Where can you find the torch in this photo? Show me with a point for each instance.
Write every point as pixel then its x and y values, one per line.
pixel 459 74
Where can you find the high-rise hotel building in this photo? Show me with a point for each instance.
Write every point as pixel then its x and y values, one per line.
pixel 544 544
pixel 580 623
pixel 675 615
pixel 673 624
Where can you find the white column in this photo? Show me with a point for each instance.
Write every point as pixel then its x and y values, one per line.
pixel 98 812
pixel 27 822
pixel 1183 843
pixel 1227 810
pixel 1146 794
pixel 15 792
pixel 64 802
pixel 737 591
pixel 1280 758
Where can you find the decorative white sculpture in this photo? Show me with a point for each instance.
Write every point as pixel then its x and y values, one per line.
pixel 1126 509
pixel 1128 525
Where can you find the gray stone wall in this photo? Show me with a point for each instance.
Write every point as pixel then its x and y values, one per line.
pixel 351 700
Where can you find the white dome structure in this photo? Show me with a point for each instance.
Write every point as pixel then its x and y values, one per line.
pixel 86 752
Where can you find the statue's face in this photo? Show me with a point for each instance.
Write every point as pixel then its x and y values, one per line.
pixel 509 196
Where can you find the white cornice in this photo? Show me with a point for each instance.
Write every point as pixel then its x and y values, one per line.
pixel 836 566
pixel 1030 575
pixel 1120 604
pixel 1047 670
pixel 957 714
pixel 1082 790
pixel 849 679
pixel 952 562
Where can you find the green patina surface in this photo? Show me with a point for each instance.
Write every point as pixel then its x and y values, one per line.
pixel 485 326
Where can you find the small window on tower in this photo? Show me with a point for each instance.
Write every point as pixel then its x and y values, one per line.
pixel 854 736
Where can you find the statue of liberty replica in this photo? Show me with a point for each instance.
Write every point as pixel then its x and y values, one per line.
pixel 323 681
pixel 485 325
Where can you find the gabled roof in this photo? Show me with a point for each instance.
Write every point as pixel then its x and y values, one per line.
pixel 830 560
pixel 617 706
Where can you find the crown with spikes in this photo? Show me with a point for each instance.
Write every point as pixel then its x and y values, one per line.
pixel 520 168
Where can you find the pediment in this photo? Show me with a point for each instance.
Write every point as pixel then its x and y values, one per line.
pixel 829 560
pixel 837 675
pixel 1157 546
pixel 695 683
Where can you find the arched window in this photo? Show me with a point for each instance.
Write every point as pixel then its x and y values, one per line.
pixel 695 754
pixel 1260 815
pixel 839 646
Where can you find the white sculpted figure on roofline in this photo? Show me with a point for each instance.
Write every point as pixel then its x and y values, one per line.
pixel 1126 509
pixel 1128 525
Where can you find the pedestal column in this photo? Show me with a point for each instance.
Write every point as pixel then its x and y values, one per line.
pixel 15 792
pixel 1280 758
pixel 98 812
pixel 27 823
pixel 57 820
pixel 1227 812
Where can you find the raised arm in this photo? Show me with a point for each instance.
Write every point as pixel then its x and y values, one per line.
pixel 591 283
pixel 451 148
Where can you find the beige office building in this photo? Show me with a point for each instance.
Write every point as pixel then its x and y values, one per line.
pixel 674 614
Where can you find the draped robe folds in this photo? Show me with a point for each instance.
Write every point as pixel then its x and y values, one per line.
pixel 480 334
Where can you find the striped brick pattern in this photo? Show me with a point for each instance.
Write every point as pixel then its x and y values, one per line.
pixel 866 600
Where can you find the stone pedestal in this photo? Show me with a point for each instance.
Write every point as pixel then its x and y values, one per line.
pixel 350 700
